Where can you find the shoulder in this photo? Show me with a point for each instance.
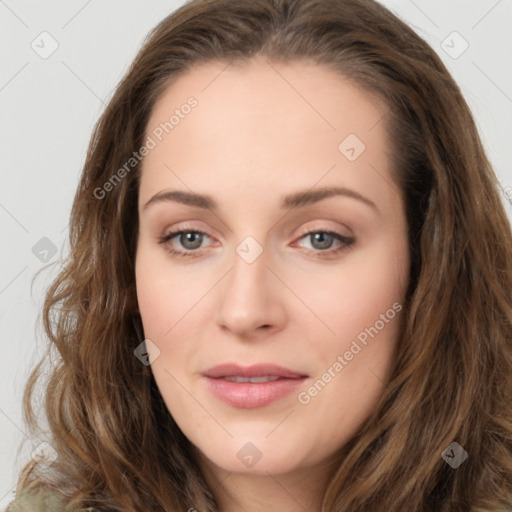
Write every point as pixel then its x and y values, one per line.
pixel 36 501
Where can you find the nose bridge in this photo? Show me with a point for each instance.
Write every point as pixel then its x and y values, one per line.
pixel 251 254
pixel 248 277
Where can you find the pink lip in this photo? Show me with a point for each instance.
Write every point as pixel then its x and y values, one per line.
pixel 251 395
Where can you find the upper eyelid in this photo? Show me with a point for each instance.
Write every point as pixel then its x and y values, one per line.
pixel 304 231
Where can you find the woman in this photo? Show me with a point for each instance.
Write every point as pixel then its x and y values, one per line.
pixel 340 339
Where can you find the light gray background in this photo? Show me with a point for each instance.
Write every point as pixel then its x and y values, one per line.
pixel 49 107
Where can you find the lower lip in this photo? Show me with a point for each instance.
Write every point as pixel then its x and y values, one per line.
pixel 251 395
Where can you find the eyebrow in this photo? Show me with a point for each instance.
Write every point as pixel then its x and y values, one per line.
pixel 295 200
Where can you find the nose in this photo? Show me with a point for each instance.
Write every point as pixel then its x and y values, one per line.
pixel 250 298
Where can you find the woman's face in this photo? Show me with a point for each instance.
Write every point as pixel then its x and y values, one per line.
pixel 273 327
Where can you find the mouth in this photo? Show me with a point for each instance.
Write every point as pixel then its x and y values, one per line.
pixel 264 378
pixel 250 387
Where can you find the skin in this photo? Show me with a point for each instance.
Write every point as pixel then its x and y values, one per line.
pixel 260 131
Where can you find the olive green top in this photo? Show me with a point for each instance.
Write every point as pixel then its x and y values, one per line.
pixel 39 501
pixel 42 501
pixel 45 501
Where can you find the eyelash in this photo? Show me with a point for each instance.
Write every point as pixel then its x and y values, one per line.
pixel 346 243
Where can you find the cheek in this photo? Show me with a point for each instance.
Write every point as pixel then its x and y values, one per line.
pixel 164 294
pixel 351 296
pixel 154 299
pixel 161 307
pixel 169 303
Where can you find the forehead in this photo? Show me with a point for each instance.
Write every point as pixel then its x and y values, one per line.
pixel 260 120
pixel 284 91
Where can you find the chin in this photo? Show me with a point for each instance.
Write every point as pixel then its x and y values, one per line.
pixel 258 456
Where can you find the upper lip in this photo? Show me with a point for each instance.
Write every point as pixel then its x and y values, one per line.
pixel 256 370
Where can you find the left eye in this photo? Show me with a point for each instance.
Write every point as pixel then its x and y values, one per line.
pixel 191 241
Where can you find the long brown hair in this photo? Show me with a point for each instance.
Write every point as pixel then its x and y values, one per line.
pixel 118 446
